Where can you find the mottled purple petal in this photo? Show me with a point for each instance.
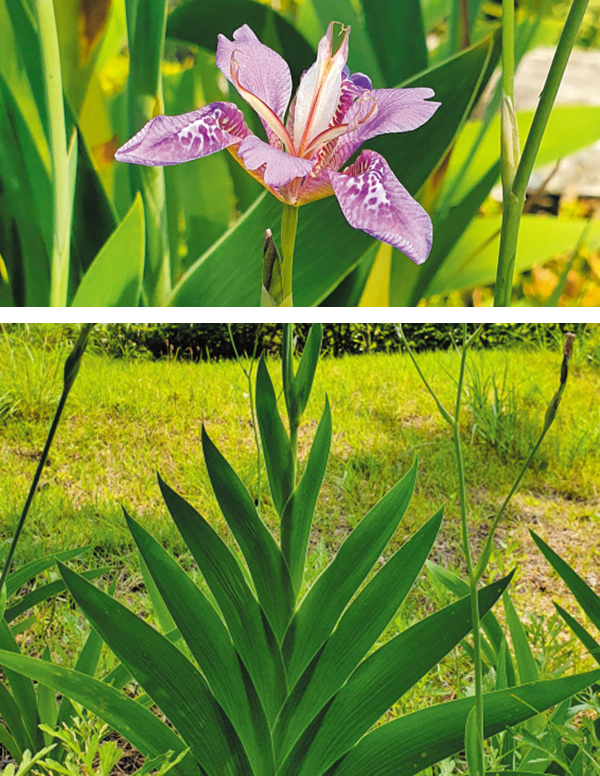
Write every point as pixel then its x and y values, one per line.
pixel 382 111
pixel 257 69
pixel 280 169
pixel 374 200
pixel 174 139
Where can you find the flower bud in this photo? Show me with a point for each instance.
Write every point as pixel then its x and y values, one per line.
pixel 272 288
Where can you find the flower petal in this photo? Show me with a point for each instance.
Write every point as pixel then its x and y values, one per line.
pixel 169 140
pixel 318 95
pixel 374 200
pixel 257 69
pixel 396 110
pixel 281 168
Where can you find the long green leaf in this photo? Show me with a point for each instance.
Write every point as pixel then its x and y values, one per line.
pixel 586 638
pixel 45 592
pixel 382 679
pixel 297 518
pixel 24 574
pixel 17 739
pixel 47 703
pixel 585 596
pixel 265 560
pixel 526 664
pixel 361 625
pixel 112 281
pixel 174 684
pixel 412 743
pixel 210 644
pixel 303 379
pixel 135 723
pixel 248 626
pixel 331 593
pixel 22 691
pixel 397 36
pixel 275 440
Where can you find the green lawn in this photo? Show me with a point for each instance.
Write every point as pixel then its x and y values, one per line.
pixel 126 420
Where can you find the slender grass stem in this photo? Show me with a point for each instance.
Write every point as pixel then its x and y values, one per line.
pixel 513 205
pixel 289 226
pixel 474 599
pixel 71 369
pixel 248 376
pixel 548 421
pixel 57 140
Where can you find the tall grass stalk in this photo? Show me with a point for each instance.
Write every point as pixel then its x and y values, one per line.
pixel 514 197
pixel 248 375
pixel 71 370
pixel 454 423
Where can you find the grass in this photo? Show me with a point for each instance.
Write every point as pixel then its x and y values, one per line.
pixel 126 419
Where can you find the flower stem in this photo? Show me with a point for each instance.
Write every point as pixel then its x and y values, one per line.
pixel 289 225
pixel 513 205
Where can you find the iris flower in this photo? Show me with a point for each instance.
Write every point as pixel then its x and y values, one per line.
pixel 331 115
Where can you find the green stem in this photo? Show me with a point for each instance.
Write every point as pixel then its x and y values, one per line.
pixel 508 48
pixel 548 421
pixel 289 226
pixel 513 208
pixel 477 662
pixel 57 140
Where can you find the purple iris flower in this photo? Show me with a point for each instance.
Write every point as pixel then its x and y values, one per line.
pixel 331 115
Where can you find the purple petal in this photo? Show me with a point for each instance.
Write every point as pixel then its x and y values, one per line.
pixel 382 111
pixel 374 200
pixel 281 168
pixel 174 139
pixel 318 95
pixel 258 70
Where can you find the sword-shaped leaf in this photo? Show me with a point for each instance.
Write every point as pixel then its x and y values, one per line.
pixel 361 625
pixel 249 628
pixel 328 597
pixel 297 517
pixel 210 644
pixel 275 441
pixel 265 561
pixel 134 722
pixel 168 677
pixel 410 744
pixel 382 679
